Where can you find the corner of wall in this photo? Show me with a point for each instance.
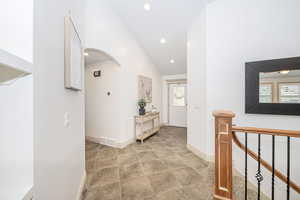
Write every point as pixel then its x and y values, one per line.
pixel 203 155
pixel 81 186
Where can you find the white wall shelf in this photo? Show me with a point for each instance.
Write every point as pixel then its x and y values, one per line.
pixel 12 67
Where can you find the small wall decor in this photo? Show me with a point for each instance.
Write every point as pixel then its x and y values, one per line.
pixel 145 88
pixel 74 62
pixel 97 73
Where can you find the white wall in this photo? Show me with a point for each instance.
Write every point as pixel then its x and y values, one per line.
pixel 165 93
pixel 237 32
pixel 16 22
pixel 105 31
pixel 58 149
pixel 16 139
pixel 16 103
pixel 197 87
pixel 103 110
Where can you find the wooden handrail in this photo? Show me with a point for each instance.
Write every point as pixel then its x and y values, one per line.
pixel 266 131
pixel 263 162
pixel 224 136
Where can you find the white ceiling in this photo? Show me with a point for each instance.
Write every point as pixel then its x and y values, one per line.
pixel 167 19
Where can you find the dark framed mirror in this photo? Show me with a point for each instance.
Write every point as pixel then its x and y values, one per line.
pixel 273 86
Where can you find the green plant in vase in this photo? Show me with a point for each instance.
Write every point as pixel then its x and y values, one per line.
pixel 142 104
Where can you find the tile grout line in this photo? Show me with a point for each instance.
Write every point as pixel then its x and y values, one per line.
pixel 162 159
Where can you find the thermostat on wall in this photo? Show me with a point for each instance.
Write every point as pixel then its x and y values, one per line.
pixel 97 73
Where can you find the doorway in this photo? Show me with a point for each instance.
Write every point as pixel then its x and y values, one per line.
pixel 102 97
pixel 177 105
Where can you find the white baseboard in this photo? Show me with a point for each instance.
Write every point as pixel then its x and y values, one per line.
pixel 200 154
pixel 110 142
pixel 211 158
pixel 176 126
pixel 164 124
pixel 81 186
pixel 29 195
pixel 167 124
pixel 122 145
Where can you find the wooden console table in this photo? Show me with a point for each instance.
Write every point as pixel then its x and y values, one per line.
pixel 142 120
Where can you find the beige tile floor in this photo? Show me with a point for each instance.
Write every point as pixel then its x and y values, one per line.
pixel 160 169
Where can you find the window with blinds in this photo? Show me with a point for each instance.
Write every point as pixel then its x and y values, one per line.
pixel 266 93
pixel 289 92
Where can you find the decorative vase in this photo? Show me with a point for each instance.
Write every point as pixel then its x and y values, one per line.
pixel 142 111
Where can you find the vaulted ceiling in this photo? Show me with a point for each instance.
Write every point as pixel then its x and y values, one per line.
pixel 154 21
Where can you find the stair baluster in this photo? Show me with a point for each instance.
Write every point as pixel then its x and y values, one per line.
pixel 273 165
pixel 259 176
pixel 288 168
pixel 246 166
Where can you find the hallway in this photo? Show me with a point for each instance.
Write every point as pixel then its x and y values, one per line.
pixel 162 168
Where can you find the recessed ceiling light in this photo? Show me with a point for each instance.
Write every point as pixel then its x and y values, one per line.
pixel 172 61
pixel 284 71
pixel 163 41
pixel 85 53
pixel 147 6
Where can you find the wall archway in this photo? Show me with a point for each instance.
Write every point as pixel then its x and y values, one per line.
pixel 94 56
pixel 102 97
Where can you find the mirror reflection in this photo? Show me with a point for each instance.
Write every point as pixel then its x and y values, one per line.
pixel 279 87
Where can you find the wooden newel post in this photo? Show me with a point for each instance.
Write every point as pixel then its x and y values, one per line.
pixel 223 155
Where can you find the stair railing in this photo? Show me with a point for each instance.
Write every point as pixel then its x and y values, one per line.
pixel 225 134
